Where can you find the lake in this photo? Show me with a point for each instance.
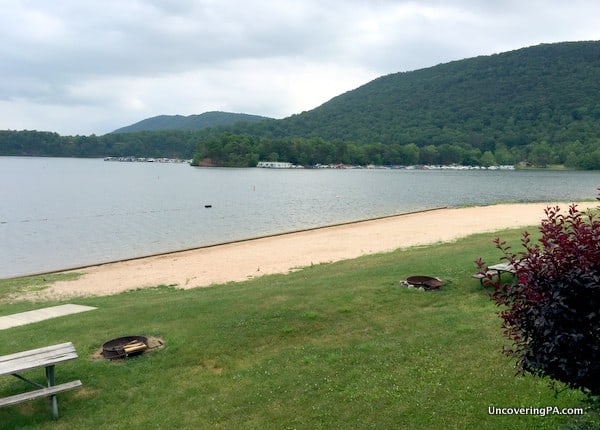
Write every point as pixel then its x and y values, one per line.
pixel 59 213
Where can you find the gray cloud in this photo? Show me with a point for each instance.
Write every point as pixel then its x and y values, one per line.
pixel 90 67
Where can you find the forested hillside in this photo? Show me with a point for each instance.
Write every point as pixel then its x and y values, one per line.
pixel 537 105
pixel 191 122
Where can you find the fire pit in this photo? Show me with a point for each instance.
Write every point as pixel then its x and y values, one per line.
pixel 126 346
pixel 425 282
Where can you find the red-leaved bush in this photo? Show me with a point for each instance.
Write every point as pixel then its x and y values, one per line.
pixel 552 308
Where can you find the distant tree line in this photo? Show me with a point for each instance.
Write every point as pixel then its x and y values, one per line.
pixel 219 147
pixel 240 150
pixel 169 144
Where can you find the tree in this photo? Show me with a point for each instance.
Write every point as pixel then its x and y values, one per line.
pixel 356 154
pixel 373 153
pixel 487 159
pixel 552 312
pixel 324 151
pixel 429 155
pixel 471 157
pixel 503 155
pixel 450 154
pixel 409 154
pixel 541 154
pixel 590 160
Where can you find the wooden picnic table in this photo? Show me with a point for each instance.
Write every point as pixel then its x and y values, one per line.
pixel 47 357
pixel 503 268
pixel 497 270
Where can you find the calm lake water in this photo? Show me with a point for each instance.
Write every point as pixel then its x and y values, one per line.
pixel 58 213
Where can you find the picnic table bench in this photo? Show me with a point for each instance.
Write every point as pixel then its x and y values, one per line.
pixel 497 270
pixel 47 357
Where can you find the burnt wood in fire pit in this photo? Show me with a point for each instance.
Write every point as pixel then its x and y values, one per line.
pixel 427 282
pixel 126 346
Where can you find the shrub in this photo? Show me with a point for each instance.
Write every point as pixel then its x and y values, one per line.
pixel 552 309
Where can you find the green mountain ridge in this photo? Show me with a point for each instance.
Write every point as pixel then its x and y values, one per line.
pixel 555 85
pixel 191 122
pixel 538 105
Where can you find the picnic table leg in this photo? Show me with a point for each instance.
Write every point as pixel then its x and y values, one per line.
pixel 53 401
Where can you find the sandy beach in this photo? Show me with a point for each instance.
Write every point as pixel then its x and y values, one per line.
pixel 283 253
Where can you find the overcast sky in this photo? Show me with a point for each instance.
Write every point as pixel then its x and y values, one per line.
pixel 92 66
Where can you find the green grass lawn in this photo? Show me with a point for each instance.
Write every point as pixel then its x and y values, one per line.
pixel 333 346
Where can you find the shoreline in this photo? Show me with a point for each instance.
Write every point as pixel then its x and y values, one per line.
pixel 213 245
pixel 282 253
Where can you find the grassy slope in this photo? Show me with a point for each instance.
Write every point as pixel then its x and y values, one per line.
pixel 331 346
